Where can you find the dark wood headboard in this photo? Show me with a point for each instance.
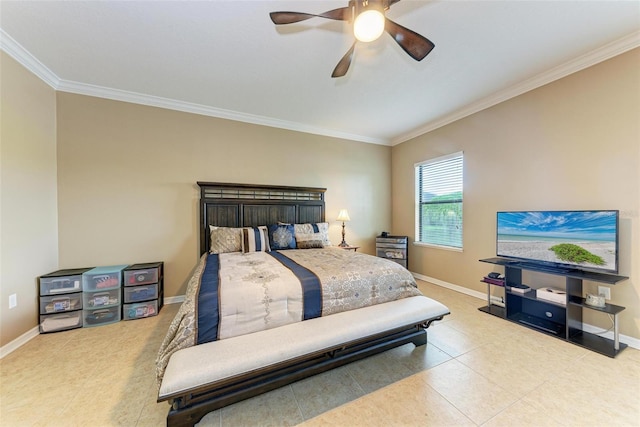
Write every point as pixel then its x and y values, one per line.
pixel 246 205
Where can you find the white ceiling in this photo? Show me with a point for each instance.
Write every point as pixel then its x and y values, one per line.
pixel 227 59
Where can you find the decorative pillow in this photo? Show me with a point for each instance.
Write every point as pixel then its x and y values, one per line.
pixel 255 239
pixel 305 237
pixel 281 236
pixel 321 227
pixel 225 239
pixel 310 244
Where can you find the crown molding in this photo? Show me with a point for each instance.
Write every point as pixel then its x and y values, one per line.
pixel 31 63
pixel 594 57
pixel 27 60
pixel 188 107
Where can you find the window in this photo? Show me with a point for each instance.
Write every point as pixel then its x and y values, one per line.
pixel 439 201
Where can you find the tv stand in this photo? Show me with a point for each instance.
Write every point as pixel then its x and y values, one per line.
pixel 561 320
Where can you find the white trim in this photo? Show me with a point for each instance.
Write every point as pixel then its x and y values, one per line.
pixel 416 204
pixel 457 288
pixel 203 110
pixel 31 63
pixel 19 342
pixel 630 341
pixel 587 60
pixel 431 245
pixel 34 332
pixel 27 60
pixel 174 300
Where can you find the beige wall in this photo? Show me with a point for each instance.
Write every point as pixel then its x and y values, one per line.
pixel 572 144
pixel 28 207
pixel 127 180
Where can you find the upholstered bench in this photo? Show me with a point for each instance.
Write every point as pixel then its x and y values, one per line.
pixel 206 377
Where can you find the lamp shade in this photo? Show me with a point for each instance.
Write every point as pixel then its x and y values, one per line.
pixel 343 215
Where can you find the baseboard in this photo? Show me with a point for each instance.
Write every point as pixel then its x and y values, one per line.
pixel 19 342
pixel 630 341
pixel 32 333
pixel 457 288
pixel 173 300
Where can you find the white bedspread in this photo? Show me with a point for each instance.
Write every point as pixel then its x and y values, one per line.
pixel 256 293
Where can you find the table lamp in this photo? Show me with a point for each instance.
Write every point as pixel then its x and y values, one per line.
pixel 343 216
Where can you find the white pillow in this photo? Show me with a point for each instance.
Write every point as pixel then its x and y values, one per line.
pixel 225 239
pixel 321 230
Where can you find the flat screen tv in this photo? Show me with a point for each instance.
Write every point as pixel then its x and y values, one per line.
pixel 578 240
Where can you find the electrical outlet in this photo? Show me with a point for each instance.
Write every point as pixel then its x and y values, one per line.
pixel 606 291
pixel 13 300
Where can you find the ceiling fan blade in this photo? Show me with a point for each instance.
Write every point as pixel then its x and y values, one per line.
pixel 392 2
pixel 343 66
pixel 413 43
pixel 280 18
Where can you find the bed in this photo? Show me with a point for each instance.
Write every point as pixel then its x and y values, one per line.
pixel 271 302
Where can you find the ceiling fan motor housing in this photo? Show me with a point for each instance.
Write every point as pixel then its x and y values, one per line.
pixel 359 6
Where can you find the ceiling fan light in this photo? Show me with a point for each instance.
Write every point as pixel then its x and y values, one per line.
pixel 368 25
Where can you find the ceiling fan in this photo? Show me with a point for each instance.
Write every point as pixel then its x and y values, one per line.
pixel 369 22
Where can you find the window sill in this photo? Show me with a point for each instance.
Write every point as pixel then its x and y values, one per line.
pixel 430 245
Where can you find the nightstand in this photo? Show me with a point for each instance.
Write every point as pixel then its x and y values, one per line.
pixel 350 248
pixel 393 248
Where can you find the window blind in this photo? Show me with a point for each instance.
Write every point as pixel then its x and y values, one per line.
pixel 439 201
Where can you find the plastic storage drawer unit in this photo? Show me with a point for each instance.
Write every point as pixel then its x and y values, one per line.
pixel 141 277
pixel 143 282
pixel 139 310
pixel 62 281
pixel 101 316
pixel 101 295
pixel 101 299
pixel 102 278
pixel 59 303
pixel 140 293
pixel 60 321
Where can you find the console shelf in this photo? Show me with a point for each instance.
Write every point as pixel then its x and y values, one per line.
pixel 553 328
pixel 563 320
pixel 494 309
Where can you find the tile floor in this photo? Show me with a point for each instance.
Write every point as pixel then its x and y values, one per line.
pixel 476 370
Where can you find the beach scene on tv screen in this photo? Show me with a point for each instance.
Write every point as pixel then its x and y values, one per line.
pixel 584 239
